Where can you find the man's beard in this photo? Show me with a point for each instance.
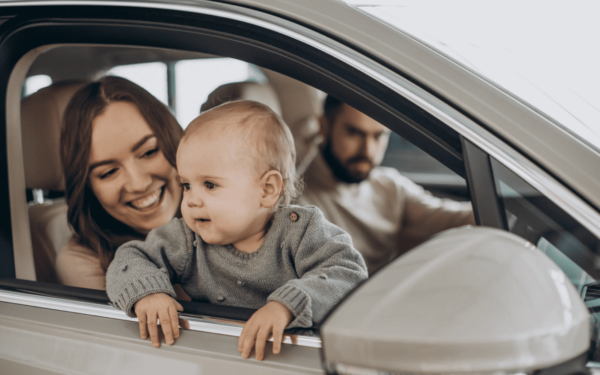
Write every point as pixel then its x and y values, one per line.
pixel 339 170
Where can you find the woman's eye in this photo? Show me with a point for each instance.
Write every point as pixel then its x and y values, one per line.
pixel 107 174
pixel 186 186
pixel 150 152
pixel 209 185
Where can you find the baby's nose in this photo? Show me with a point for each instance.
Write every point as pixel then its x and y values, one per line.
pixel 194 200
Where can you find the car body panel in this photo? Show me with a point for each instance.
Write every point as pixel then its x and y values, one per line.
pixel 43 339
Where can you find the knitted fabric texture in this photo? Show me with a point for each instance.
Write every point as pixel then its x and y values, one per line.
pixel 306 263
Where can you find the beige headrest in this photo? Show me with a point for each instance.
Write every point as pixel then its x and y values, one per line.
pixel 259 92
pixel 41 121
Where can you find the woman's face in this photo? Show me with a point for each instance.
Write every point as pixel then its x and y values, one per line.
pixel 128 172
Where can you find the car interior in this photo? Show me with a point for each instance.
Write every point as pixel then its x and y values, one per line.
pixel 51 82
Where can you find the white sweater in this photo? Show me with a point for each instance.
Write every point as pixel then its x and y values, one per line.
pixel 386 214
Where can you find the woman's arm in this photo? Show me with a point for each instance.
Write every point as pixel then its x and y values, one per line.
pixel 79 266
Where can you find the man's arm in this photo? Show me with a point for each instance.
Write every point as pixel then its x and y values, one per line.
pixel 425 215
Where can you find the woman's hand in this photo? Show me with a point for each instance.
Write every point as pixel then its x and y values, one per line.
pixel 158 306
pixel 267 322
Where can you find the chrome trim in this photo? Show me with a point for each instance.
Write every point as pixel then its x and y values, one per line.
pixel 523 167
pixel 198 323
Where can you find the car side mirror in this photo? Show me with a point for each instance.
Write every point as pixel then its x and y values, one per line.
pixel 471 300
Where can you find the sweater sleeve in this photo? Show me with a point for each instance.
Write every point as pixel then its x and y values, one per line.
pixel 145 267
pixel 327 265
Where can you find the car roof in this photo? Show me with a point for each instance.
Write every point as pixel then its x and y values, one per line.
pixel 534 135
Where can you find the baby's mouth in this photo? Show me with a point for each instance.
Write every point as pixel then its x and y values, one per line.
pixel 202 220
pixel 147 201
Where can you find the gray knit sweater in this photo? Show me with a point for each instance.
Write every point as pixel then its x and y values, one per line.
pixel 308 265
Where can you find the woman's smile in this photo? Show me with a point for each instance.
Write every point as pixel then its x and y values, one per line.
pixel 130 176
pixel 148 201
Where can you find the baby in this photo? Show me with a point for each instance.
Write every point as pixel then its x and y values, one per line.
pixel 239 242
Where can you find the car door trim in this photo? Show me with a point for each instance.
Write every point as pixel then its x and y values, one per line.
pixel 197 322
pixel 519 164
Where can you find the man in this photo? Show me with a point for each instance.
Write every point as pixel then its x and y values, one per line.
pixel 384 212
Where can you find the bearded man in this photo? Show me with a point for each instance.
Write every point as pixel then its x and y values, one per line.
pixel 384 212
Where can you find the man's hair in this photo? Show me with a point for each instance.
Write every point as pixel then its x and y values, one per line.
pixel 269 138
pixel 331 107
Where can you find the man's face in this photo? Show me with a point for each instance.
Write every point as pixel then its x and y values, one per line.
pixel 354 144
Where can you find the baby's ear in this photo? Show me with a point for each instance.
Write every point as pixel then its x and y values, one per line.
pixel 272 183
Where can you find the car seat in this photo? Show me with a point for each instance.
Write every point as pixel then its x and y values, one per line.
pixel 41 122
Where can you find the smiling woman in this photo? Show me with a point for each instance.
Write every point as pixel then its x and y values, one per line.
pixel 118 155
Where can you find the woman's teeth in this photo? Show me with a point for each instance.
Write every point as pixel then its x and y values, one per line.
pixel 146 201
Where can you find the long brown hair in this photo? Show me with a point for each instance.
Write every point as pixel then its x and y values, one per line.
pixel 93 226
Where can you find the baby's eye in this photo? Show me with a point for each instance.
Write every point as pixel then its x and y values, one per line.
pixel 186 186
pixel 209 185
pixel 150 152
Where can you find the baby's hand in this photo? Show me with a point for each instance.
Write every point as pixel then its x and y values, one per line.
pixel 268 321
pixel 158 306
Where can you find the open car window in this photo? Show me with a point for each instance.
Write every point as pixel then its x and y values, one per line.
pixel 171 71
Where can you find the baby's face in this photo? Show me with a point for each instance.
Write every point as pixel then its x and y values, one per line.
pixel 221 194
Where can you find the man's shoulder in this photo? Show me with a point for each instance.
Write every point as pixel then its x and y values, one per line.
pixel 389 175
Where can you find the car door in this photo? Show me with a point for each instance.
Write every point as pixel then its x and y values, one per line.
pixel 86 333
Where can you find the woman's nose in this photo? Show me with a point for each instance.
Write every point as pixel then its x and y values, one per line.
pixel 138 180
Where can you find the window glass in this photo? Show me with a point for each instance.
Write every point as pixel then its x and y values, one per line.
pixel 406 157
pixel 424 169
pixel 196 79
pixel 34 83
pixel 151 76
pixel 572 247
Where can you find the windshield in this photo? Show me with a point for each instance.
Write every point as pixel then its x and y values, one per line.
pixel 544 52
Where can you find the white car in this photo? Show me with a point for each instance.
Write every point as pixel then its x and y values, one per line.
pixel 517 297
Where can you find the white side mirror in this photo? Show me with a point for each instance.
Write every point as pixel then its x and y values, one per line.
pixel 468 301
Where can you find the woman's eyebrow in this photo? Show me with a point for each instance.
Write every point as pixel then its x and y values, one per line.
pixel 141 142
pixel 136 146
pixel 101 163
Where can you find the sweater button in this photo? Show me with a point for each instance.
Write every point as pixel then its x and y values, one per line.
pixel 294 216
pixel 124 268
pixel 196 243
pixel 220 298
pixel 240 282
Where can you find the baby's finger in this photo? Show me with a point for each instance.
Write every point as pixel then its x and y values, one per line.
pixel 243 335
pixel 294 339
pixel 249 339
pixel 261 341
pixel 179 307
pixel 165 323
pixel 174 318
pixel 184 323
pixel 153 330
pixel 143 327
pixel 277 338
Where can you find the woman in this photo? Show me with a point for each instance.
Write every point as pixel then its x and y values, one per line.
pixel 118 147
